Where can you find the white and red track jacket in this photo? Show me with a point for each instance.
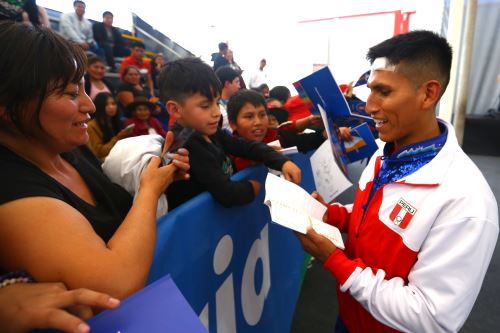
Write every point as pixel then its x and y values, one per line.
pixel 416 261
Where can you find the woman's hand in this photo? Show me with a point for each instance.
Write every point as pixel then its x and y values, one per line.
pixel 49 305
pixel 180 158
pixel 157 178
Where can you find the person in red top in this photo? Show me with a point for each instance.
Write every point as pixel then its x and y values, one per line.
pixel 136 59
pixel 143 122
pixel 296 108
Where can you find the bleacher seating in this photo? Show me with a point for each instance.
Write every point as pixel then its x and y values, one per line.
pixel 155 41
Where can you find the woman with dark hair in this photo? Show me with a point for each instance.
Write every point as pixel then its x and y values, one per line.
pixel 130 88
pixel 95 82
pixel 105 129
pixel 62 219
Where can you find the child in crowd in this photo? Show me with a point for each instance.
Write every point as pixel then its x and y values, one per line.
pixel 105 129
pixel 300 116
pixel 191 92
pixel 276 103
pixel 142 121
pixel 230 82
pixel 248 118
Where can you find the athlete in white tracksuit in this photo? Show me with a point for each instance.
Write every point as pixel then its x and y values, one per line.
pixel 424 223
pixel 423 276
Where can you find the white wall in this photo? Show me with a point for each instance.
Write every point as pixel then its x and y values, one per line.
pixel 269 29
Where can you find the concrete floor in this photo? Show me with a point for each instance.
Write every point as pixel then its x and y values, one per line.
pixel 317 309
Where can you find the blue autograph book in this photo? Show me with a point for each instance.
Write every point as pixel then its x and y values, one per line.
pixel 321 88
pixel 362 145
pixel 159 307
pixel 323 96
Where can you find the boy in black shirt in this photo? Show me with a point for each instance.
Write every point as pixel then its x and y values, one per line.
pixel 191 92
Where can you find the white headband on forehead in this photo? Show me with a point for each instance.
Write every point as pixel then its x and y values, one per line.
pixel 382 64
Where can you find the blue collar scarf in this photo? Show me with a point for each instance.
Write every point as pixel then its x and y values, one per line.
pixel 405 161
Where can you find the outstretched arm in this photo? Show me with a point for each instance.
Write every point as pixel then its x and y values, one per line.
pixel 54 242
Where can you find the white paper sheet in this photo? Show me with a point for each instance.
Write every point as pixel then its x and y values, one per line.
pixel 275 143
pixel 292 207
pixel 289 150
pixel 330 181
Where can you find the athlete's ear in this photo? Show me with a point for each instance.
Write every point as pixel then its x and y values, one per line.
pixel 431 91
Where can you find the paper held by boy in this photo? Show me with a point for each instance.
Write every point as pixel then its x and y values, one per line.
pixel 292 207
pixel 285 151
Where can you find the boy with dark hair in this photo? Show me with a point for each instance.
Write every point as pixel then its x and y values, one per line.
pixel 191 92
pixel 424 223
pixel 230 80
pixel 249 120
pixel 280 93
pixel 136 59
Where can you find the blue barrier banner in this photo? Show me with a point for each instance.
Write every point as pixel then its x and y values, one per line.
pixel 237 270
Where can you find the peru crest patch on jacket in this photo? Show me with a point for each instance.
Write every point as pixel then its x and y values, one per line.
pixel 402 213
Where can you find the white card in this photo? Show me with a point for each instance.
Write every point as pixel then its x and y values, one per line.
pixel 292 207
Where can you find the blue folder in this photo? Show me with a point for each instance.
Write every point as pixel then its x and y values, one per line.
pixel 320 88
pixel 159 307
pixel 368 147
pixel 363 79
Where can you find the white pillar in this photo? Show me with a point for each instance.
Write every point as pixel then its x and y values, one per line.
pixel 464 70
pixel 454 37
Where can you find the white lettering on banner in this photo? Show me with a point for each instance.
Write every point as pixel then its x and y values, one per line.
pixel 252 303
pixel 224 304
pixel 224 297
pixel 204 316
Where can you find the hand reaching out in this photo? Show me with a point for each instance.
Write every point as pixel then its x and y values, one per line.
pixel 345 133
pixel 291 172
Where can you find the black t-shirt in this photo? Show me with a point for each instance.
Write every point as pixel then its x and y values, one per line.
pixel 211 168
pixel 21 179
